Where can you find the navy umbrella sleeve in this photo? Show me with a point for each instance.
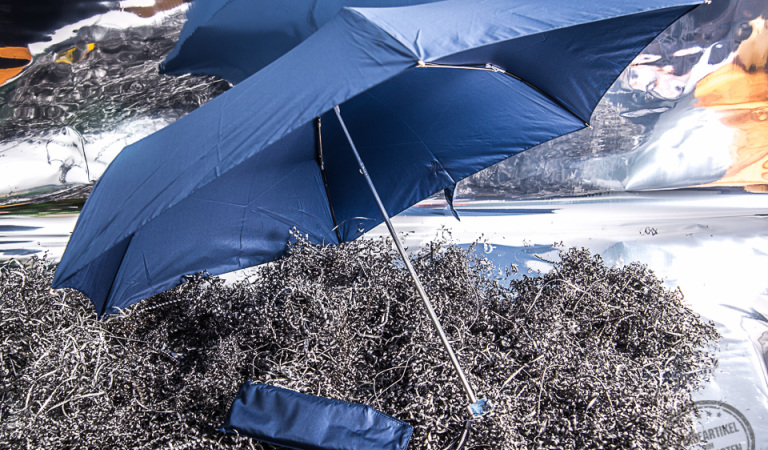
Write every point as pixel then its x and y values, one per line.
pixel 295 420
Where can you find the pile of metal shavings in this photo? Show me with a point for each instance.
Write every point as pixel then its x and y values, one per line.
pixel 98 79
pixel 585 356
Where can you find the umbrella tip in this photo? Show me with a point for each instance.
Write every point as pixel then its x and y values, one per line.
pixel 480 408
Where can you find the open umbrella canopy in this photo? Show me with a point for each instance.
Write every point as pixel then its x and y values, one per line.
pixel 233 39
pixel 430 93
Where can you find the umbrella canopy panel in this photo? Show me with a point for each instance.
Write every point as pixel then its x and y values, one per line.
pixel 424 131
pixel 220 189
pixel 234 39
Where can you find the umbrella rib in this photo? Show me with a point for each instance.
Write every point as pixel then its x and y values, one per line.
pixel 493 68
pixel 422 293
pixel 321 163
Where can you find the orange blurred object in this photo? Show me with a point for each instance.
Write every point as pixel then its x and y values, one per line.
pixel 16 59
pixel 739 92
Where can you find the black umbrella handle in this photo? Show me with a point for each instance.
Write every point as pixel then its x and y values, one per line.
pixel 422 293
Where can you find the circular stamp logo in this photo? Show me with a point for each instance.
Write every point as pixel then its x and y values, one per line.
pixel 721 426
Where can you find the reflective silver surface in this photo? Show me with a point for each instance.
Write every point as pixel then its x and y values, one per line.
pixel 90 89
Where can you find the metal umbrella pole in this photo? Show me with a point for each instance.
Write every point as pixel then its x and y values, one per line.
pixel 476 407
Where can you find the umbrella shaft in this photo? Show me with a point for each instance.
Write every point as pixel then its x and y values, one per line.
pixel 422 293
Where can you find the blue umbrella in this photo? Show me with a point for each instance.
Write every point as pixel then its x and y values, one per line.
pixel 430 94
pixel 233 39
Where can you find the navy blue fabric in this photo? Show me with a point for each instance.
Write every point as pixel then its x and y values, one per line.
pixel 295 420
pixel 220 189
pixel 233 39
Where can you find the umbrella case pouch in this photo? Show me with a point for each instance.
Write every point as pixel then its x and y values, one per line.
pixel 291 419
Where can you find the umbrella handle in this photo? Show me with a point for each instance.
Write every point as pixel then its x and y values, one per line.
pixel 422 293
